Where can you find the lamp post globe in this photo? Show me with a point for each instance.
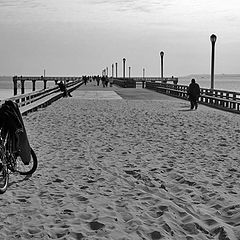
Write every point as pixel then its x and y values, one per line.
pixel 213 39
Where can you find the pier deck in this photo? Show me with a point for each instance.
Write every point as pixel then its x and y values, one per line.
pixel 127 164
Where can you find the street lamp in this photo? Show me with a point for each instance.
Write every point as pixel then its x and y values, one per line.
pixel 124 63
pixel 112 70
pixel 213 39
pixel 143 72
pixel 116 64
pixel 162 54
pixel 129 71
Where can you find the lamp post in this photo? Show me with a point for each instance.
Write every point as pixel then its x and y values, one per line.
pixel 143 72
pixel 112 70
pixel 124 64
pixel 129 71
pixel 116 69
pixel 213 39
pixel 161 55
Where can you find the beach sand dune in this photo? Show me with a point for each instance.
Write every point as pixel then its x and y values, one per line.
pixel 127 170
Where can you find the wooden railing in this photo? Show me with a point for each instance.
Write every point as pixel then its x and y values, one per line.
pixel 31 101
pixel 225 100
pixel 131 82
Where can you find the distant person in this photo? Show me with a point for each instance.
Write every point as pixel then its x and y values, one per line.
pixel 98 80
pixel 103 80
pixel 63 89
pixel 193 94
pixel 106 81
pixel 85 80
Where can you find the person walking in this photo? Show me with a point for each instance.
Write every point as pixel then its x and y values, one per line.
pixel 193 93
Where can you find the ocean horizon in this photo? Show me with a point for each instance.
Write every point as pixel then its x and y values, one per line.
pixel 228 82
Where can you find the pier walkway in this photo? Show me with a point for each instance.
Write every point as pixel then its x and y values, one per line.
pixel 127 164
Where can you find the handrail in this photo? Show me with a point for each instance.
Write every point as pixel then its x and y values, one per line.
pixel 28 98
pixel 222 99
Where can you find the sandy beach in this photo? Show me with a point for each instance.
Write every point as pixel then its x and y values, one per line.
pixel 127 169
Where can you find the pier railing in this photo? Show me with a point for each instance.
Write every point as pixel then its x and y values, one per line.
pixel 31 101
pixel 222 99
pixel 131 82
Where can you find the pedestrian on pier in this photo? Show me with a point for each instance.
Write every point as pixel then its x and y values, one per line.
pixel 103 80
pixel 98 80
pixel 193 93
pixel 106 81
pixel 63 89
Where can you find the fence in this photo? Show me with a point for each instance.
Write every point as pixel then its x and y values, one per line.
pixel 225 100
pixel 32 101
pixel 131 82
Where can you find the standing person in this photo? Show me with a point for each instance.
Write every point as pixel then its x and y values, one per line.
pixel 98 80
pixel 106 81
pixel 103 81
pixel 193 93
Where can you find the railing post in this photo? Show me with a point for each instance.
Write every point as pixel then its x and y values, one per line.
pixel 45 84
pixel 22 86
pixel 33 85
pixel 15 85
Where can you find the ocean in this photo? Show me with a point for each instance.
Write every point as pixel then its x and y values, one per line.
pixel 6 87
pixel 229 82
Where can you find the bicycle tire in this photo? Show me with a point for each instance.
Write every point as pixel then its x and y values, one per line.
pixel 28 169
pixel 4 179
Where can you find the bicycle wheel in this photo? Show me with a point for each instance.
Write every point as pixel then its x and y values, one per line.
pixel 23 169
pixel 4 177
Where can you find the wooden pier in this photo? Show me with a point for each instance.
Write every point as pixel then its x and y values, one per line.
pixel 24 79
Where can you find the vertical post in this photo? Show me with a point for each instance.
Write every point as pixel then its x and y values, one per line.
pixel 15 85
pixel 45 84
pixel 213 39
pixel 162 54
pixel 107 71
pixel 129 71
pixel 22 86
pixel 143 72
pixel 33 85
pixel 112 70
pixel 44 73
pixel 124 65
pixel 116 70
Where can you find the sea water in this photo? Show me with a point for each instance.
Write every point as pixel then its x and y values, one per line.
pixel 228 82
pixel 6 87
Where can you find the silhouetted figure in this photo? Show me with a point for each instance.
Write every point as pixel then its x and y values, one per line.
pixel 103 81
pixel 193 93
pixel 106 81
pixel 85 80
pixel 98 80
pixel 63 89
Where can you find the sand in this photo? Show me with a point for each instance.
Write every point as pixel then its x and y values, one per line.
pixel 127 170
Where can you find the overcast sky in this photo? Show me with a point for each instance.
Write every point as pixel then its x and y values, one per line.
pixel 76 37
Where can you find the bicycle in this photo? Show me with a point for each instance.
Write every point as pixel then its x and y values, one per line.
pixel 11 153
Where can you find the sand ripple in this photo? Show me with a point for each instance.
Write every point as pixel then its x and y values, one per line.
pixel 127 170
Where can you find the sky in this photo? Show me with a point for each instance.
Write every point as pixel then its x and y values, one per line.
pixel 83 37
